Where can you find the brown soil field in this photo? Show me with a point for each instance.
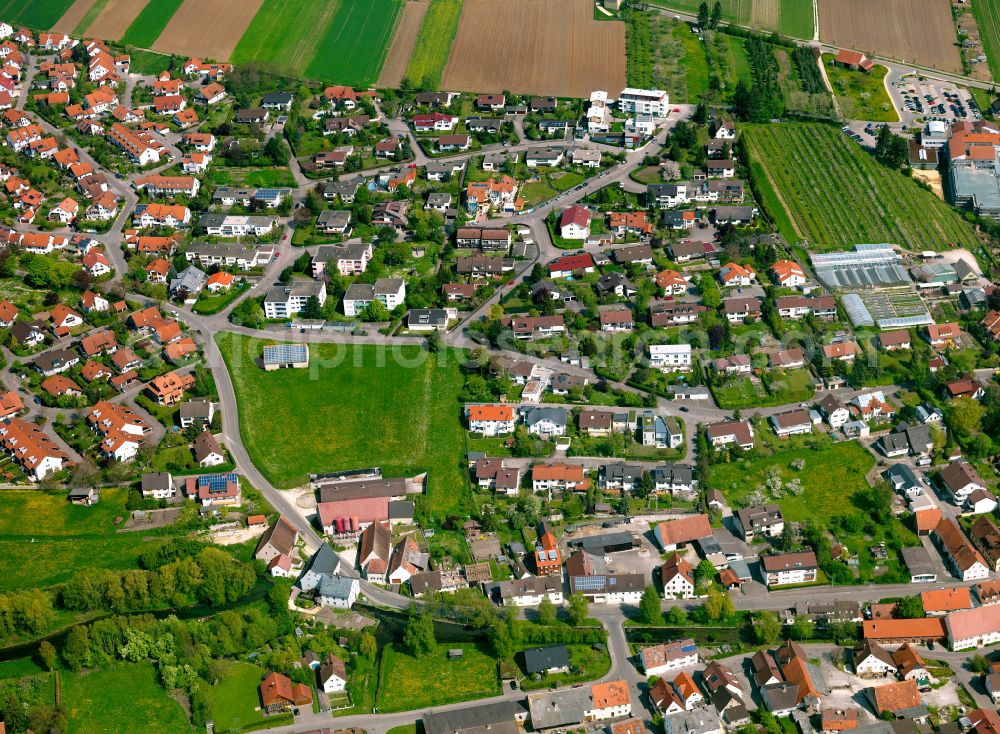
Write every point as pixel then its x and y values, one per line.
pixel 766 14
pixel 403 41
pixel 550 47
pixel 116 17
pixel 73 15
pixel 207 28
pixel 915 31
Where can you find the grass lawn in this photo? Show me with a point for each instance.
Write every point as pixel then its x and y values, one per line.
pixel 830 476
pixel 149 63
pixel 796 19
pixel 733 11
pixel 350 410
pixel 125 698
pixel 437 32
pixel 355 42
pixel 38 14
pixel 738 61
pixel 209 303
pixel 406 682
pixel 63 537
pixel 739 392
pixel 988 19
pixel 150 22
pixel 260 177
pixel 817 185
pixel 695 63
pixel 861 96
pixel 585 664
pixel 232 702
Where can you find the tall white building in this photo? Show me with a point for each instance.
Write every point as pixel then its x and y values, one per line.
pixel 670 357
pixel 653 102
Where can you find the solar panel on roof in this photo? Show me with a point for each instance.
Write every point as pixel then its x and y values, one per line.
pixel 281 353
pixel 217 482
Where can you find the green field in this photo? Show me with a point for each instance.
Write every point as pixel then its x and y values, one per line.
pixel 407 683
pixel 830 476
pixel 793 386
pixel 430 54
pixel 836 195
pixel 37 14
pixel 357 406
pixel 861 96
pixel 988 19
pixel 341 41
pixel 150 22
pixel 122 699
pixel 63 538
pixel 285 34
pixel 233 700
pixel 795 16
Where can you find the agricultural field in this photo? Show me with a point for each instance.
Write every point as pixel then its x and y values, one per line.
pixel 914 31
pixel 34 13
pixel 793 18
pixel 819 186
pixel 207 28
pixel 401 47
pixel 343 40
pixel 93 701
pixel 433 43
pixel 77 17
pixel 147 26
pixel 349 410
pixel 988 19
pixel 407 683
pixel 536 47
pixel 861 96
pixel 63 537
pixel 353 47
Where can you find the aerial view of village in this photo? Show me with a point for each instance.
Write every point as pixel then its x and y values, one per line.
pixel 500 366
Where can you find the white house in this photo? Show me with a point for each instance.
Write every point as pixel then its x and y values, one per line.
pixel 653 102
pixel 574 223
pixel 530 591
pixel 670 357
pixel 675 655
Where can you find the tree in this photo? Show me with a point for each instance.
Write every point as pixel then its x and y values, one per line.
pixel 767 628
pixel 76 649
pixel 418 636
pixel 649 606
pixel 716 15
pixel 979 664
pixel 546 611
pixel 965 415
pixel 47 654
pixel 576 609
pixel 704 573
pixel 502 638
pixel 802 627
pixel 711 296
pixel 375 312
pixel 719 605
pixel 703 16
pixel 677 617
pixel 910 607
pixel 312 309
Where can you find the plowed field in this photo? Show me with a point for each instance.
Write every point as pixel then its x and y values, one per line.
pixel 536 47
pixel 207 28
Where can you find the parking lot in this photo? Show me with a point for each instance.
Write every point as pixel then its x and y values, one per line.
pixel 925 100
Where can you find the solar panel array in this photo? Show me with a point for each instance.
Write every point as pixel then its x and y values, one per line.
pixel 285 353
pixel 589 583
pixel 217 482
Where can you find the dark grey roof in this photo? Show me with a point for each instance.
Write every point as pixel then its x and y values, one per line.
pixel 539 659
pixel 675 474
pixel 362 488
pixel 401 510
pixel 559 416
pixel 324 561
pixel 159 480
pixel 780 696
pixel 901 476
pixel 472 719
pixel 559 708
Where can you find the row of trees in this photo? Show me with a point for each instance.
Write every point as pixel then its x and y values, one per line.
pixel 209 577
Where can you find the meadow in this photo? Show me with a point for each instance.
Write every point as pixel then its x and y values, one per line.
pixel 120 700
pixel 63 537
pixel 430 54
pixel 285 34
pixel 988 18
pixel 406 682
pixel 150 22
pixel 830 476
pixel 794 18
pixel 357 406
pixel 819 186
pixel 232 702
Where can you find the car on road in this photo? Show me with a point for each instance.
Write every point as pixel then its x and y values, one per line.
pixel 685 409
